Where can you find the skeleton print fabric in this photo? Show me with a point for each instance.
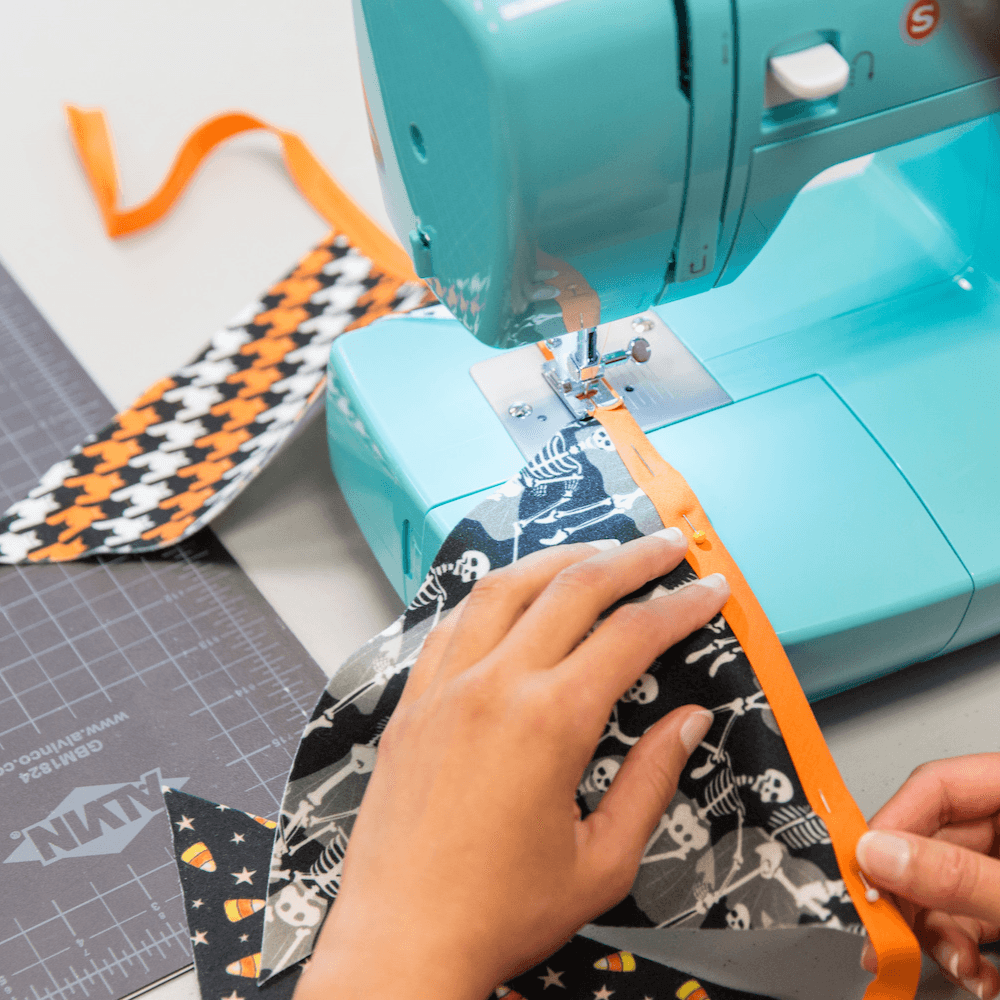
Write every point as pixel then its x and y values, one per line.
pixel 738 848
pixel 164 467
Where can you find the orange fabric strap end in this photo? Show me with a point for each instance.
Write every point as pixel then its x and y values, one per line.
pixel 897 948
pixel 89 129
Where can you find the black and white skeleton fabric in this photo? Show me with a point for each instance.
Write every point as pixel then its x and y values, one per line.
pixel 738 848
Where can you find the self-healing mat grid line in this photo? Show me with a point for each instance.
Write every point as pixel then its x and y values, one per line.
pixel 117 673
pixel 46 408
pixel 123 957
pixel 38 594
pixel 215 632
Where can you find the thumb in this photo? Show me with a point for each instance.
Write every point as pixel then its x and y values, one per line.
pixel 934 874
pixel 642 789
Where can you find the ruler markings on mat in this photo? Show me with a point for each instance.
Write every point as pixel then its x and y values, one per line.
pixel 117 674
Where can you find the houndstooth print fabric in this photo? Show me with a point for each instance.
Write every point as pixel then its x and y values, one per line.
pixel 163 468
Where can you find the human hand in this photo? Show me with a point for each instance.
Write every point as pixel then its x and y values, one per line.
pixel 469 860
pixel 934 846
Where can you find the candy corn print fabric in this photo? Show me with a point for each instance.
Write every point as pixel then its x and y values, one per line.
pixel 585 968
pixel 222 856
pixel 739 847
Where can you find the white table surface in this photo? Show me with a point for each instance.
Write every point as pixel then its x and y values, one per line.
pixel 134 309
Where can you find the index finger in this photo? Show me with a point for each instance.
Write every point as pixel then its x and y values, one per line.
pixel 566 610
pixel 933 874
pixel 944 792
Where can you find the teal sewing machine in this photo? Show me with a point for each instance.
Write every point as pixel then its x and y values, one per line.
pixel 783 220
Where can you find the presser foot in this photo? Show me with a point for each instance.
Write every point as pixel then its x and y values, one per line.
pixel 576 372
pixel 537 389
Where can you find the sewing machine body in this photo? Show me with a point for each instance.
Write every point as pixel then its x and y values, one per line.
pixel 848 459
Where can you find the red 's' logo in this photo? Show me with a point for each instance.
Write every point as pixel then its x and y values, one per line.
pixel 919 21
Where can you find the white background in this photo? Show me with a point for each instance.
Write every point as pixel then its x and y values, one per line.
pixel 134 309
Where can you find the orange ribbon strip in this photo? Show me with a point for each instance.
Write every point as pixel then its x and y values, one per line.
pixel 676 503
pixel 92 138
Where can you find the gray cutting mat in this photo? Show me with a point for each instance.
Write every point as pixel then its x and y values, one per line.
pixel 117 675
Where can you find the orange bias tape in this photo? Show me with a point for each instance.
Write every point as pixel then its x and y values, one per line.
pixel 674 500
pixel 89 130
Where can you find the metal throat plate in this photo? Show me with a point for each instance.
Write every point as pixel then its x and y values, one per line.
pixel 672 385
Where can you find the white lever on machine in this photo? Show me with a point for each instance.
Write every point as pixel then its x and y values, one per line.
pixel 813 73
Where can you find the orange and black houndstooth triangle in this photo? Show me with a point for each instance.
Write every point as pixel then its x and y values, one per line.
pixel 164 467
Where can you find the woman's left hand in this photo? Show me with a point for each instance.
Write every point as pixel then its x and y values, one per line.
pixel 935 846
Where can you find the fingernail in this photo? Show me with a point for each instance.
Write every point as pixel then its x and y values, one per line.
pixel 977 987
pixel 946 955
pixel 883 855
pixel 605 543
pixel 673 535
pixel 869 960
pixel 715 581
pixel 695 728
